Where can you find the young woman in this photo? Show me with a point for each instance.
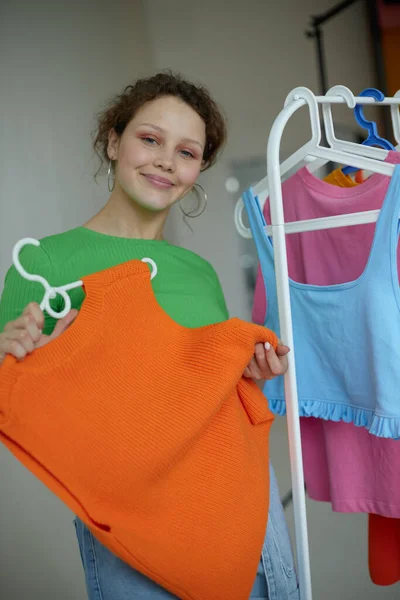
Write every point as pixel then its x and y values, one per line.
pixel 156 138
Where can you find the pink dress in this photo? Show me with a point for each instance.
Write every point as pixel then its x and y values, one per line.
pixel 343 464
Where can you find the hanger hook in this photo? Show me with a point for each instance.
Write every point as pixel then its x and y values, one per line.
pixel 154 269
pixel 244 231
pixel 370 126
pixel 304 93
pixel 50 292
pixel 343 92
pixel 373 137
pixel 15 257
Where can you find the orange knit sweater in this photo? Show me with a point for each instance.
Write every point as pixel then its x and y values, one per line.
pixel 147 431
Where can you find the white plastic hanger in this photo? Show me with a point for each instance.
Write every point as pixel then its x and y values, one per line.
pixel 348 96
pixel 313 147
pixel 51 292
pixel 316 155
pixel 362 150
pixel 297 98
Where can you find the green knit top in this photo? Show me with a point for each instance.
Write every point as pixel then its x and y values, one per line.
pixel 186 285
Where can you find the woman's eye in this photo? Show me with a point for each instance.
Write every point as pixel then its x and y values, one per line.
pixel 149 140
pixel 187 154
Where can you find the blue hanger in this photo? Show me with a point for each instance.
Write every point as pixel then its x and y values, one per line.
pixel 373 139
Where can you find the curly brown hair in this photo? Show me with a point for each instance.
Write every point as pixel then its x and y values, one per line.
pixel 124 107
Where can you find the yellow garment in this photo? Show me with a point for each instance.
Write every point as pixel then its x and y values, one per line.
pixel 338 178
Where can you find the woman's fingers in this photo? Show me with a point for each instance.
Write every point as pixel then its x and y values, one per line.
pixel 252 370
pixel 34 311
pixel 17 342
pixel 266 362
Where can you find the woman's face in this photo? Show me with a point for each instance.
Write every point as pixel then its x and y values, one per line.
pixel 160 153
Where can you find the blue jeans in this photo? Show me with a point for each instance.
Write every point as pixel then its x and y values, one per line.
pixel 109 578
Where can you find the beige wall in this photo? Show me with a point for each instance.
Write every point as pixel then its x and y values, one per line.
pixel 61 61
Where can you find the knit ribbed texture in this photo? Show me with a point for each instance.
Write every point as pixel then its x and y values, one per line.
pixel 148 432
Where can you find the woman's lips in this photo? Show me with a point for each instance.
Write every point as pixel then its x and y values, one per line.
pixel 159 182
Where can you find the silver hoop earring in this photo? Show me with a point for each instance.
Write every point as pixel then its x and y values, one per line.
pixel 192 215
pixel 110 177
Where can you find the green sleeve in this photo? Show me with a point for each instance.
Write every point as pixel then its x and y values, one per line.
pixel 220 294
pixel 18 292
pixel 223 302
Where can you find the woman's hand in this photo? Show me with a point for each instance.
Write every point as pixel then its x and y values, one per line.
pixel 266 363
pixel 22 336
